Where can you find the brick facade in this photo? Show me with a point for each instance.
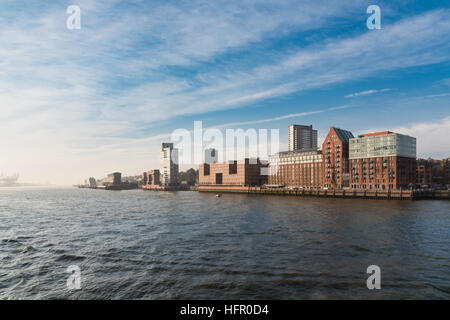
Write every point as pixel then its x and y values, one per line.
pixel 297 169
pixel 241 173
pixel 391 172
pixel 383 160
pixel 151 178
pixel 424 173
pixel 335 158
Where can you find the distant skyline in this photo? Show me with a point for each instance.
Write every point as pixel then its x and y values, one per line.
pixel 81 103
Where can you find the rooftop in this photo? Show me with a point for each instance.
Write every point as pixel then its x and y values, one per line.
pixel 381 133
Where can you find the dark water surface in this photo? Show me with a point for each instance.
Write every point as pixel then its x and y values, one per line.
pixel 188 245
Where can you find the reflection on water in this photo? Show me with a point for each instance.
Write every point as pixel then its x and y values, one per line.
pixel 188 245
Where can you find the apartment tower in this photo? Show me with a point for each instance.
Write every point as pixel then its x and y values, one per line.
pixel 302 137
pixel 168 164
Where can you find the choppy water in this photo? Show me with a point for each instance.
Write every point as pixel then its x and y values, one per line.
pixel 188 245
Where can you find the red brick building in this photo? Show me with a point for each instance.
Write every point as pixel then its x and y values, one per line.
pixel 297 169
pixel 248 172
pixel 151 178
pixel 335 150
pixel 445 164
pixel 382 173
pixel 424 173
pixel 382 160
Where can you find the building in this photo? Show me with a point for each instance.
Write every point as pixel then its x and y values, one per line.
pixel 302 137
pixel 445 164
pixel 382 160
pixel 424 173
pixel 168 164
pixel 248 172
pixel 151 178
pixel 335 150
pixel 92 183
pixel 112 179
pixel 211 156
pixel 297 169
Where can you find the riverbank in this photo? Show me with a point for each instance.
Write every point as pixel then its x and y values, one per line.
pixel 336 193
pixel 330 193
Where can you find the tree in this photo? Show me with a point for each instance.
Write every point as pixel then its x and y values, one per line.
pixel 190 176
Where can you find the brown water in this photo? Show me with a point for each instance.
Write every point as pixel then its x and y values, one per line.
pixel 187 245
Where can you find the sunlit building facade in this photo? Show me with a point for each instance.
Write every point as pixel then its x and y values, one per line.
pixel 382 160
pixel 296 169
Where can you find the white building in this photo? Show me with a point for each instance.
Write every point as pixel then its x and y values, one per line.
pixel 211 156
pixel 168 164
pixel 302 137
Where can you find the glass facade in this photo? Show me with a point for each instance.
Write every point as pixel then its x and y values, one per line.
pixel 391 144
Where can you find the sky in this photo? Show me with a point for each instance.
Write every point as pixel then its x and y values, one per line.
pixel 90 101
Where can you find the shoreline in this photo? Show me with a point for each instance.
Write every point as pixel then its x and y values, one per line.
pixel 321 193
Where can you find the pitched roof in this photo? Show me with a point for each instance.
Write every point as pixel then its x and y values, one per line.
pixel 343 135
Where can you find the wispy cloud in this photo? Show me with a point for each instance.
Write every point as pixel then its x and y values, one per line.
pixel 440 95
pixel 431 136
pixel 367 92
pixel 278 118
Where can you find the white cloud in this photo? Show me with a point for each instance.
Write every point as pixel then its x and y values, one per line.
pixel 432 137
pixel 367 92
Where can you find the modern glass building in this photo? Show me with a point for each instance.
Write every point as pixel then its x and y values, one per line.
pixel 382 144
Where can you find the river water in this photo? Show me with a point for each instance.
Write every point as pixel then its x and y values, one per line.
pixel 188 245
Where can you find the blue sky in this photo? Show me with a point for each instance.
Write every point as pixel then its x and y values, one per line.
pixel 80 103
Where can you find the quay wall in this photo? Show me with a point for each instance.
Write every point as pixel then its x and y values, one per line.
pixel 334 193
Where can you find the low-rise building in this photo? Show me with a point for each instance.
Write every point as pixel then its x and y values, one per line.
pixel 247 172
pixel 92 183
pixel 424 173
pixel 445 164
pixel 297 169
pixel 112 179
pixel 151 178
